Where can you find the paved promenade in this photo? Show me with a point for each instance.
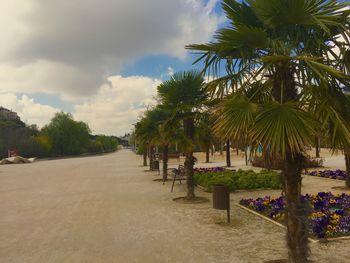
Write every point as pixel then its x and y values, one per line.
pixel 107 209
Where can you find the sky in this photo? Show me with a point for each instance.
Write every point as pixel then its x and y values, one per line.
pixel 100 60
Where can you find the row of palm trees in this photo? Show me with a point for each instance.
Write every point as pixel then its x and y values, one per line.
pixel 287 63
pixel 182 102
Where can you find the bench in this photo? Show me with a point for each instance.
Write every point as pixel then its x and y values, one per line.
pixel 178 175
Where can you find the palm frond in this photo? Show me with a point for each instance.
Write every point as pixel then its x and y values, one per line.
pixel 283 128
pixel 234 117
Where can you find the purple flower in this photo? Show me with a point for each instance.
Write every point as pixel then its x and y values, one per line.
pixel 209 170
pixel 337 174
pixel 329 215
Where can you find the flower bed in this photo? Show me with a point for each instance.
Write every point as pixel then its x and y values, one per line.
pixel 238 179
pixel 329 214
pixel 210 170
pixel 336 174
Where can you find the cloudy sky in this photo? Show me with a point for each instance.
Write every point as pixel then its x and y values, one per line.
pixel 101 60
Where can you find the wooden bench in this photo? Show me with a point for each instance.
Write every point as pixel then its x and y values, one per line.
pixel 178 175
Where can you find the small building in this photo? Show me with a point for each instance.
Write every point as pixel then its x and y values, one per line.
pixel 6 114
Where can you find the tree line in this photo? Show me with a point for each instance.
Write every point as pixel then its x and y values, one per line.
pixel 61 137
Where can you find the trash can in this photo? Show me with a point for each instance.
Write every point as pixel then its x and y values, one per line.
pixel 221 198
pixel 156 165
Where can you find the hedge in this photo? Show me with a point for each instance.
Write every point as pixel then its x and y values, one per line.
pixel 240 179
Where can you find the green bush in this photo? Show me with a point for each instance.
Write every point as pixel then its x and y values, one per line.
pixel 240 179
pixel 277 163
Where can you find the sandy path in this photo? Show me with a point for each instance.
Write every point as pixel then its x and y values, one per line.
pixel 107 209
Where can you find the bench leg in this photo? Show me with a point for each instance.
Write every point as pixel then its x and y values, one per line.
pixel 172 187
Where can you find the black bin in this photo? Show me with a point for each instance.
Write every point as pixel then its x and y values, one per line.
pixel 221 197
pixel 156 165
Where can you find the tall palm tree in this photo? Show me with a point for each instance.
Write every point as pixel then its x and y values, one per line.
pixel 289 46
pixel 184 94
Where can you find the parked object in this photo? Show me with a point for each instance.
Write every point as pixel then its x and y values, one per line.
pixel 17 160
pixel 12 153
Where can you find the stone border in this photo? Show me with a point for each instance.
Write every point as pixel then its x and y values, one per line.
pixel 325 178
pixel 312 240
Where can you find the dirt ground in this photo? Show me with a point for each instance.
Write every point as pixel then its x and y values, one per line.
pixel 108 209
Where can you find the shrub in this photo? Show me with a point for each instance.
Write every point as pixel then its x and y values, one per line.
pixel 239 179
pixel 67 136
pixel 276 163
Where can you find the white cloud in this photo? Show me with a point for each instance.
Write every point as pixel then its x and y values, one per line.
pixel 69 48
pixel 28 110
pixel 112 110
pixel 115 107
pixel 68 82
pixel 170 71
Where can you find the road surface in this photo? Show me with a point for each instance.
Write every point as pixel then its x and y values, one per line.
pixel 108 209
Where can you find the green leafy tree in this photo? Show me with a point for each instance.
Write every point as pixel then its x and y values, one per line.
pixel 14 134
pixel 103 143
pixel 185 96
pixel 66 136
pixel 289 46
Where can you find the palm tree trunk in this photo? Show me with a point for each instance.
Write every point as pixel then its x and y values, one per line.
pixel 207 155
pixel 221 148
pixel 284 90
pixel 189 161
pixel 228 154
pixel 145 157
pixel 151 161
pixel 165 162
pixel 347 165
pixel 296 210
pixel 317 146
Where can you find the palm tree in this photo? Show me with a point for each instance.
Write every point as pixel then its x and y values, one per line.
pixel 169 133
pixel 141 139
pixel 148 133
pixel 205 135
pixel 287 45
pixel 184 94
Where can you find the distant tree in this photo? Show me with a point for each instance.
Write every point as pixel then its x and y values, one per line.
pixel 103 143
pixel 66 136
pixel 14 134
